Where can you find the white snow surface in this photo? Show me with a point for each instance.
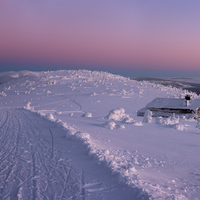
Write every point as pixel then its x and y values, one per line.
pixel 76 135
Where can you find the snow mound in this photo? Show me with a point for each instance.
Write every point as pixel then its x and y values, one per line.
pixel 159 120
pixel 52 82
pixel 3 94
pixel 121 126
pixel 148 117
pixel 139 123
pixel 71 114
pixel 87 115
pixel 128 120
pixel 180 127
pixel 118 115
pixel 167 121
pixel 109 125
pixel 50 117
pixel 93 94
pixel 28 106
pixel 171 121
pixel 83 136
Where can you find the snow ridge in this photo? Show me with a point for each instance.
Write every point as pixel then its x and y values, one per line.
pixel 117 161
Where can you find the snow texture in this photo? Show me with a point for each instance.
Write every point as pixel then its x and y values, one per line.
pixel 87 115
pixel 148 117
pixel 198 124
pixel 117 114
pixel 75 134
pixel 109 125
pixel 28 106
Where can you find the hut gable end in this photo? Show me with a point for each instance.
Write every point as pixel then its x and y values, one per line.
pixel 167 106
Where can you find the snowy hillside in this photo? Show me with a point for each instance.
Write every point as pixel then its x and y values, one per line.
pixel 76 135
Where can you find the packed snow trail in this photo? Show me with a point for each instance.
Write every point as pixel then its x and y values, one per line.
pixel 29 166
pixel 33 167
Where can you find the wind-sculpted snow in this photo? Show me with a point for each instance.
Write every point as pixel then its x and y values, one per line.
pixel 148 117
pixel 92 118
pixel 117 114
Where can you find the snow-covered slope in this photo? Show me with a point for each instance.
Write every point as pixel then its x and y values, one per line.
pixel 91 119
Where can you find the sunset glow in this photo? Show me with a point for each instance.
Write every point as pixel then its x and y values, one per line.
pixel 147 35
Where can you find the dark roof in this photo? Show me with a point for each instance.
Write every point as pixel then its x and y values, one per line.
pixel 174 103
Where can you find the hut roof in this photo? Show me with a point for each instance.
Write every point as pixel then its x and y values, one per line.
pixel 173 103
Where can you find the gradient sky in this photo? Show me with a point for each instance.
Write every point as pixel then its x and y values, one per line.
pixel 99 34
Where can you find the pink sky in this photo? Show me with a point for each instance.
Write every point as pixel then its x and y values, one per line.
pixel 113 33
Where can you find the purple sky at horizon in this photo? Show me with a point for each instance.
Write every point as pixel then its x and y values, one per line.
pixel 149 35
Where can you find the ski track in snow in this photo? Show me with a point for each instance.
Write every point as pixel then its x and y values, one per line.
pixel 29 166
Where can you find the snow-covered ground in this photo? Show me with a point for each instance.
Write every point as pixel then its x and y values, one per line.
pixel 76 135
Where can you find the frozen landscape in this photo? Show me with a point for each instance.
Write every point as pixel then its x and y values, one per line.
pixel 76 135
